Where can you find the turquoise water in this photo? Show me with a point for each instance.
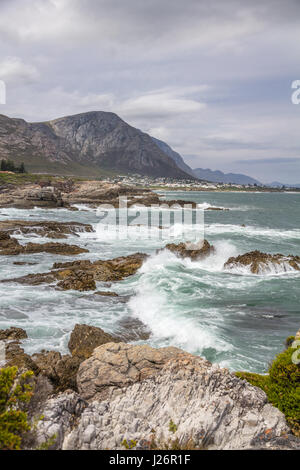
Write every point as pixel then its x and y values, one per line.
pixel 234 318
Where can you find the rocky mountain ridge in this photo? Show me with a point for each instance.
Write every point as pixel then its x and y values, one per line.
pixel 82 143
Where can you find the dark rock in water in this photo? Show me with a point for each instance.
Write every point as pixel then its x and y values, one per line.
pixel 76 280
pixel 82 264
pixel 194 251
pixel 54 248
pixel 49 229
pixel 84 339
pixel 216 209
pixel 23 263
pixel 259 263
pixel 82 274
pixel 13 333
pixel 106 293
pixel 10 246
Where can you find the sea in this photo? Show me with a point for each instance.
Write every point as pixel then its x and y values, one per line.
pixel 229 316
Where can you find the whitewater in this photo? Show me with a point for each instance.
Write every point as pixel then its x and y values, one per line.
pixel 229 316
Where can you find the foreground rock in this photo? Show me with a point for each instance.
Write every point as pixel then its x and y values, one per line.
pixel 30 196
pixel 138 394
pixel 82 274
pixel 194 251
pixel 60 370
pixel 13 333
pixel 10 246
pixel 117 365
pixel 47 229
pixel 260 263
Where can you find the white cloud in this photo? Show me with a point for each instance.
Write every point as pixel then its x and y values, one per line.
pixel 14 70
pixel 161 104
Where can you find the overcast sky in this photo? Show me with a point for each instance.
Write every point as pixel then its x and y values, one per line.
pixel 212 79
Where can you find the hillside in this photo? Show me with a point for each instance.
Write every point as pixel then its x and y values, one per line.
pixel 220 177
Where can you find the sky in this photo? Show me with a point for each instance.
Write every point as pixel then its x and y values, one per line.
pixel 212 79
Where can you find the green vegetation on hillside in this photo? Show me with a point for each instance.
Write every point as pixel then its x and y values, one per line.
pixel 9 165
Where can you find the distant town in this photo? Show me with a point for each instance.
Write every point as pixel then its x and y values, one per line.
pixel 187 184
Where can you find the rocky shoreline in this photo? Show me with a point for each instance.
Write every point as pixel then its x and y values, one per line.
pixel 108 392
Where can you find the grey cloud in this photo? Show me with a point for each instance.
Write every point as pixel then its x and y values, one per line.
pixel 271 161
pixel 212 79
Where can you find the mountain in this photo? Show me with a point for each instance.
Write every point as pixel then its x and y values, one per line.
pixel 220 177
pixel 85 144
pixel 276 184
pixel 175 156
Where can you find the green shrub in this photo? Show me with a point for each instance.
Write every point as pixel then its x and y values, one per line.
pixel 14 393
pixel 282 386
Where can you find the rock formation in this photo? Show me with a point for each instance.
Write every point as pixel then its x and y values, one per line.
pixel 83 274
pixel 84 339
pixel 138 401
pixel 10 246
pixel 194 251
pixel 49 229
pixel 260 263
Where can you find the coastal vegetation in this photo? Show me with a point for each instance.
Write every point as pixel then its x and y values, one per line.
pixel 9 165
pixel 281 385
pixel 15 392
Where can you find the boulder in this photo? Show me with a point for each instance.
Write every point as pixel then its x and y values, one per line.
pixel 13 333
pixel 60 369
pixel 194 251
pixel 84 339
pixel 117 365
pixel 76 280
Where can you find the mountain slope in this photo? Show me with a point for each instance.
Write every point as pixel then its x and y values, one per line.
pixel 82 144
pixel 175 156
pixel 220 177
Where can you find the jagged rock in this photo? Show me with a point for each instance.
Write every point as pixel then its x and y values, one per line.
pixel 59 417
pixel 82 274
pixel 194 251
pixel 210 408
pixel 106 293
pixel 54 248
pixel 259 263
pixel 15 356
pixel 50 229
pixel 84 339
pixel 10 246
pixel 76 280
pixel 60 369
pixel 82 263
pixel 116 365
pixel 13 333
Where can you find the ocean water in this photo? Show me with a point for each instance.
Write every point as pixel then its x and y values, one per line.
pixel 231 317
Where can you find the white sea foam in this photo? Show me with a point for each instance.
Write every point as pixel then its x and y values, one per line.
pixel 251 231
